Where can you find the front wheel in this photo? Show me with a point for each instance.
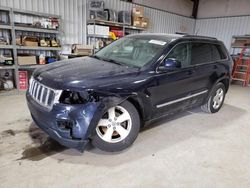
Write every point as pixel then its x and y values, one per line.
pixel 118 128
pixel 216 99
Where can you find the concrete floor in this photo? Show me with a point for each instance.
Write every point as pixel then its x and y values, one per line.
pixel 191 149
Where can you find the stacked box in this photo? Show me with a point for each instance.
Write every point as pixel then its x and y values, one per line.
pixel 138 17
pixel 138 11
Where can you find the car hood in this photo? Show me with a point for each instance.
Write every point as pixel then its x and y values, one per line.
pixel 82 73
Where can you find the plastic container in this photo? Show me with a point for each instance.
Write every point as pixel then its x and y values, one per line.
pixel 124 17
pixel 98 14
pixel 41 59
pixel 112 15
pixel 96 5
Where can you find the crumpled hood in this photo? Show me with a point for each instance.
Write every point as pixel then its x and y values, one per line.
pixel 82 73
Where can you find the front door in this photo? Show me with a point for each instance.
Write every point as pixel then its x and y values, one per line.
pixel 174 89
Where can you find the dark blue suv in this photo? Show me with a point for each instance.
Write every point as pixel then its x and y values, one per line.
pixel 106 98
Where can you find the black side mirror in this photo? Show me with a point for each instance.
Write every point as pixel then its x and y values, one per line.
pixel 170 64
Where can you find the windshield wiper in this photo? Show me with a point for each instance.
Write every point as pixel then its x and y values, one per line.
pixel 108 60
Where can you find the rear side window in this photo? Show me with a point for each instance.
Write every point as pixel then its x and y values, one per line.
pixel 201 53
pixel 215 53
pixel 206 52
pixel 218 52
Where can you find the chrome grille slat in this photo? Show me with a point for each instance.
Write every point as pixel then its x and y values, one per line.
pixel 34 89
pixel 47 97
pixel 37 91
pixel 32 86
pixel 42 94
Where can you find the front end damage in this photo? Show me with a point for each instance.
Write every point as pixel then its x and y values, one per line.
pixel 72 121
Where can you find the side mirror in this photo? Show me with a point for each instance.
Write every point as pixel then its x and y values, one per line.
pixel 170 64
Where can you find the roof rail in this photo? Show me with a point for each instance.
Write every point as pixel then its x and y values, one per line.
pixel 199 36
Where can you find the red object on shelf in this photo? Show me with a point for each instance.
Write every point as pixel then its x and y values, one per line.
pixel 23 80
pixel 118 33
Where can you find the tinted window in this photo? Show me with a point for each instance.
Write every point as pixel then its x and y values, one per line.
pixel 181 52
pixel 201 53
pixel 218 52
pixel 215 53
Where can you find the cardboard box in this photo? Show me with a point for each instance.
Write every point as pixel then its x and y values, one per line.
pixel 18 40
pixel 239 42
pixel 30 41
pixel 247 42
pixel 138 11
pixel 26 60
pixel 81 49
pixel 144 22
pixel 137 21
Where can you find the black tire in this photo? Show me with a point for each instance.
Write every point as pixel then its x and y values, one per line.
pixel 98 142
pixel 208 106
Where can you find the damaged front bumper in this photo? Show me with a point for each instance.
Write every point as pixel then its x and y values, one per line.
pixel 70 125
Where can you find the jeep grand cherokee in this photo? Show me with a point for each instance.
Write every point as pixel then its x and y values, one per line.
pixel 106 98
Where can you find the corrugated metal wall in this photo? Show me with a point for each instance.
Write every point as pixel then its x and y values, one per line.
pixel 73 13
pixel 223 28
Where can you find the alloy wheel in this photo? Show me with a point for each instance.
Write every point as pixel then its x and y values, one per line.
pixel 218 98
pixel 115 125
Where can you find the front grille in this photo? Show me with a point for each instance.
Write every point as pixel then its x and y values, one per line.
pixel 42 94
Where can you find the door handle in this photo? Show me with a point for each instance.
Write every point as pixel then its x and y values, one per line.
pixel 189 72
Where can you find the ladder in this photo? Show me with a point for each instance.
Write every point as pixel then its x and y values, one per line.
pixel 241 70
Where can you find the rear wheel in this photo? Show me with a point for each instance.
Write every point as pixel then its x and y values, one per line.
pixel 216 99
pixel 118 128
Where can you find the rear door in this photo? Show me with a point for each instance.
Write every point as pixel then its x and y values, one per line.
pixel 204 57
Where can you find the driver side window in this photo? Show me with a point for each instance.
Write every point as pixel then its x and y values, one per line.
pixel 181 52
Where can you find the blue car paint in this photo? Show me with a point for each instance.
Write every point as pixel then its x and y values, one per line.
pixel 115 83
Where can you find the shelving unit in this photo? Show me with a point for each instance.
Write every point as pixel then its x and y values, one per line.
pixel 240 52
pixel 124 28
pixel 39 30
pixel 13 28
pixel 238 46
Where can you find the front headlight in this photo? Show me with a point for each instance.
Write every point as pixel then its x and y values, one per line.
pixel 73 97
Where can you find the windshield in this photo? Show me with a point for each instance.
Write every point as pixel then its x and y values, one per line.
pixel 131 51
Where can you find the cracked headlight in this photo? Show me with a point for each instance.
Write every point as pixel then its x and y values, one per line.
pixel 72 97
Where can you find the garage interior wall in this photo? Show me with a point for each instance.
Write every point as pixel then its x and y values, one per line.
pixel 223 28
pixel 181 7
pixel 222 19
pixel 222 8
pixel 73 13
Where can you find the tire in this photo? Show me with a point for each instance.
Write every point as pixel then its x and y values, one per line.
pixel 115 132
pixel 216 99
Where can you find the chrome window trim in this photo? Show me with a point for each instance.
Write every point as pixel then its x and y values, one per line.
pixel 181 99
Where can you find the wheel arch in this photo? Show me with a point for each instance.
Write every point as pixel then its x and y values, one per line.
pixel 139 107
pixel 226 82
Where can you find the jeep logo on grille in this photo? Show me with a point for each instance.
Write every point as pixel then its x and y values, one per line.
pixel 39 78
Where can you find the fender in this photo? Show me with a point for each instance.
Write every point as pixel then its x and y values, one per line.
pixel 105 103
